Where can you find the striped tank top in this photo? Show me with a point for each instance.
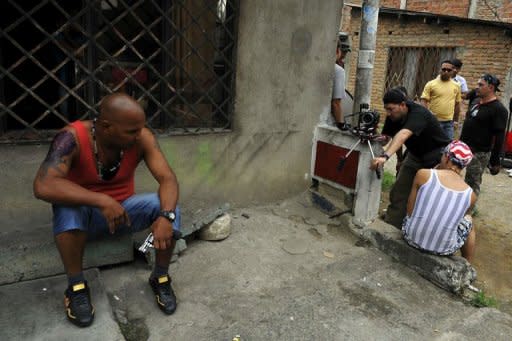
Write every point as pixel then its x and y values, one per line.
pixel 437 212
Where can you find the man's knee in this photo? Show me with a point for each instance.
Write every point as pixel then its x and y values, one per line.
pixel 69 218
pixel 144 209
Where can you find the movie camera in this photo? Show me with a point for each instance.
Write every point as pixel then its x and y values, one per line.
pixel 366 131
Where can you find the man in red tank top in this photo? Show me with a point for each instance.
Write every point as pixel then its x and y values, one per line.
pixel 88 177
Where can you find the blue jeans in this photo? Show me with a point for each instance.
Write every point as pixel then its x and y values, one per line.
pixel 143 210
pixel 447 127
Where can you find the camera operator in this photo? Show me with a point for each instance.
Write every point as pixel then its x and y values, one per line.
pixel 414 126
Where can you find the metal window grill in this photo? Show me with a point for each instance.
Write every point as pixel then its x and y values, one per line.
pixel 413 67
pixel 59 58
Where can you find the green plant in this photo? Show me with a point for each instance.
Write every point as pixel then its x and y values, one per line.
pixel 388 179
pixel 482 300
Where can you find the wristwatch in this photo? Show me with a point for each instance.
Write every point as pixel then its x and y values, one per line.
pixel 385 155
pixel 169 215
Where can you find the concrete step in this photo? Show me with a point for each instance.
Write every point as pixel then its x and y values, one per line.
pixel 27 255
pixel 34 310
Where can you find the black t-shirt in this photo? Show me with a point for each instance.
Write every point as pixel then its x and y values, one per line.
pixel 427 134
pixel 482 123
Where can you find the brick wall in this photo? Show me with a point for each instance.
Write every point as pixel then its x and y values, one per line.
pixel 500 10
pixel 457 8
pixel 482 48
pixel 346 18
pixel 495 10
pixel 390 3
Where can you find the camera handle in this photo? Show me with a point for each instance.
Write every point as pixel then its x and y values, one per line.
pixel 344 158
pixel 378 171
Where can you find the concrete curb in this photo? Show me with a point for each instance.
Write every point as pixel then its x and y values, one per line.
pixel 451 273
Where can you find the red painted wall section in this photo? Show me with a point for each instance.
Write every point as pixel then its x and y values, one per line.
pixel 327 159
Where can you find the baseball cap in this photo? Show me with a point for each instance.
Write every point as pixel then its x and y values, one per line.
pixel 459 153
pixel 490 79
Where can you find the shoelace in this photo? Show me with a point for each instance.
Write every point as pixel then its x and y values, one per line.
pixel 166 288
pixel 80 299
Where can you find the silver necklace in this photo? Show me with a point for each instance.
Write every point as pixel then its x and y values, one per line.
pixel 104 173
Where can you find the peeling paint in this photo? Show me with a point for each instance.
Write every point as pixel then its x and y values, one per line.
pixel 369 15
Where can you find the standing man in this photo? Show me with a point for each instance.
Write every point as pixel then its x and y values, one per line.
pixel 483 130
pixel 457 66
pixel 338 88
pixel 412 125
pixel 442 96
pixel 88 177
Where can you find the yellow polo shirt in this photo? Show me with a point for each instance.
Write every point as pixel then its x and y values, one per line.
pixel 442 97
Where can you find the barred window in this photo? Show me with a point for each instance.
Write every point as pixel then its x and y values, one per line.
pixel 413 67
pixel 59 58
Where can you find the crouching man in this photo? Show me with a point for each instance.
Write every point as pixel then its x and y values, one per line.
pixel 88 177
pixel 437 219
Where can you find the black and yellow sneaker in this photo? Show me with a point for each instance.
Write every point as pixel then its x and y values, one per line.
pixel 164 294
pixel 79 309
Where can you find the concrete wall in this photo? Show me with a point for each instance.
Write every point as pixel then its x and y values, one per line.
pixel 285 58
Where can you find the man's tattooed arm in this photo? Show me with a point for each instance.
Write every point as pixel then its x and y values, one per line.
pixel 61 150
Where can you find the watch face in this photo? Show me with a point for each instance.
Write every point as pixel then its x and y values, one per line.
pixel 169 215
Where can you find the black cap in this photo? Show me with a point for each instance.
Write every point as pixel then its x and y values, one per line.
pixel 490 79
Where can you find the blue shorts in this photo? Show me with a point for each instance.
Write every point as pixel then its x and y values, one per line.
pixel 143 210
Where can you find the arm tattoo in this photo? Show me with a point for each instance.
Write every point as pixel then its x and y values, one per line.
pixel 61 148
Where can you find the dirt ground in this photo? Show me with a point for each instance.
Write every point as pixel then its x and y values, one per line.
pixel 493 223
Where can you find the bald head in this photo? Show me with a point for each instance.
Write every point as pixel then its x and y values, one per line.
pixel 120 106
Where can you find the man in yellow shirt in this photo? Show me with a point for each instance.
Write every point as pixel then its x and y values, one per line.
pixel 442 96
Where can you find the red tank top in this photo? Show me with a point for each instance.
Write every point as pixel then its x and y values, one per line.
pixel 83 171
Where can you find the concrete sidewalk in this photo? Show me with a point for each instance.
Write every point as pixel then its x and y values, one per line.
pixel 287 272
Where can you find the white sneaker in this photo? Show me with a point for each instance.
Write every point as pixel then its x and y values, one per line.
pixel 509 171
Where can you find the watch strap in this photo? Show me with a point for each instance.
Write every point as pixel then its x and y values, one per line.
pixel 169 215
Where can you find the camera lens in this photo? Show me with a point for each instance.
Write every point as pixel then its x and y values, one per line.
pixel 367 118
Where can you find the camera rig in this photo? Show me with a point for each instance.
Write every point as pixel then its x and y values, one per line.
pixel 366 131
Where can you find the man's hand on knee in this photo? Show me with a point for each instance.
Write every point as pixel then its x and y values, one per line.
pixel 162 233
pixel 114 213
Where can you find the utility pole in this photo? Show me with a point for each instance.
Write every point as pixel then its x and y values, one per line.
pixel 367 196
pixel 366 56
